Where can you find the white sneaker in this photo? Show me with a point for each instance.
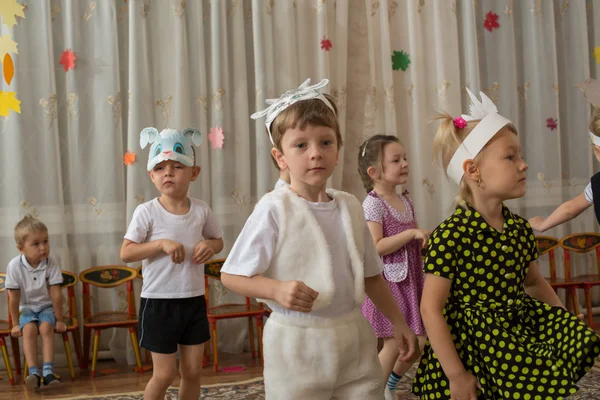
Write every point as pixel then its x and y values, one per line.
pixel 390 394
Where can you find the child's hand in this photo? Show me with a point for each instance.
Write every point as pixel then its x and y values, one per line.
pixel 174 249
pixel 60 327
pixel 407 342
pixel 202 252
pixel 422 234
pixel 295 295
pixel 537 223
pixel 15 331
pixel 464 387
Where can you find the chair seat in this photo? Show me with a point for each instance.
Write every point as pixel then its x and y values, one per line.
pixel 225 311
pixel 564 282
pixel 4 328
pixel 110 319
pixel 590 279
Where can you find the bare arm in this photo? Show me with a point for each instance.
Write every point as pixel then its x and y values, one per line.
pixel 435 295
pixel 56 302
pixel 132 251
pixel 13 305
pixel 215 244
pixel 538 287
pixel 293 295
pixel 389 244
pixel 563 213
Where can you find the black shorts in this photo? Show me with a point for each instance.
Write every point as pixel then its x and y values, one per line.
pixel 165 323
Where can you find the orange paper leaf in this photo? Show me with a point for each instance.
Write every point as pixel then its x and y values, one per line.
pixel 129 158
pixel 9 68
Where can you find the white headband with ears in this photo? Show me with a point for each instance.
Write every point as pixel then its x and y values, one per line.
pixel 170 144
pixel 303 92
pixel 490 124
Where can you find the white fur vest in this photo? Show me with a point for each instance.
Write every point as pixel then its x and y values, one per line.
pixel 302 253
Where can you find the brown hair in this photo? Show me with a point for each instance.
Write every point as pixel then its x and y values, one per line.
pixel 447 140
pixel 303 113
pixel 29 224
pixel 370 154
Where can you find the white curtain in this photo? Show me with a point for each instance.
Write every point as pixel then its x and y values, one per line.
pixel 209 64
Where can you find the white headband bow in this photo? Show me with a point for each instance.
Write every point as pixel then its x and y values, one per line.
pixel 303 92
pixel 490 124
pixel 595 139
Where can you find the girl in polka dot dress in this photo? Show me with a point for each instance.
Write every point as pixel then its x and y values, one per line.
pixel 496 329
pixel 391 220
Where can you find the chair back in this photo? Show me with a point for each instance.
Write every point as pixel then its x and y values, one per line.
pixel 581 243
pixel 139 272
pixel 69 282
pixel 212 270
pixel 2 282
pixel 547 244
pixel 107 276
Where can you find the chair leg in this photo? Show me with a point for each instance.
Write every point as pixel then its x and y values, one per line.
pixel 77 344
pixel 588 303
pixel 259 328
pixel 251 335
pixel 65 337
pixel 572 295
pixel 136 349
pixel 11 379
pixel 16 354
pixel 87 332
pixel 213 329
pixel 206 355
pixel 95 352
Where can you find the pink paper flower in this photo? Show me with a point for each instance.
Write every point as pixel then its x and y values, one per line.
pixel 459 123
pixel 216 137
pixel 326 44
pixel 551 123
pixel 68 59
pixel 491 21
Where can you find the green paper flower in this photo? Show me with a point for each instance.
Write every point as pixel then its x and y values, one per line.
pixel 400 60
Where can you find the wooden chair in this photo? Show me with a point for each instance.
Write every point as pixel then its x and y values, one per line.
pixel 212 270
pixel 108 276
pixel 547 245
pixel 70 320
pixel 584 243
pixel 5 329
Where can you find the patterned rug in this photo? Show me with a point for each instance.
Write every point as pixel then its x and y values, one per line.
pixel 254 390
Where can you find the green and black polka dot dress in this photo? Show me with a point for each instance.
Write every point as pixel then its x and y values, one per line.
pixel 516 346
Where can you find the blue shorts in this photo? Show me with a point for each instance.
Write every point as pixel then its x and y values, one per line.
pixel 46 315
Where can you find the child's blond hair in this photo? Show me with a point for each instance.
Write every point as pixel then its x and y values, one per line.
pixel 28 225
pixel 447 140
pixel 312 112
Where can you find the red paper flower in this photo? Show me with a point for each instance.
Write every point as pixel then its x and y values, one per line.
pixel 551 123
pixel 491 21
pixel 68 59
pixel 129 158
pixel 216 137
pixel 326 44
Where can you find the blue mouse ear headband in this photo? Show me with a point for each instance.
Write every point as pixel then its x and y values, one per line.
pixel 303 92
pixel 170 144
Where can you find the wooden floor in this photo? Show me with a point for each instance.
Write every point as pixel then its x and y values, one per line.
pixel 124 380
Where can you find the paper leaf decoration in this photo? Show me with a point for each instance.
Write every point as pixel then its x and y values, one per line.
pixel 68 59
pixel 216 137
pixel 8 102
pixel 8 10
pixel 326 44
pixel 400 60
pixel 551 123
pixel 8 68
pixel 597 54
pixel 7 45
pixel 129 158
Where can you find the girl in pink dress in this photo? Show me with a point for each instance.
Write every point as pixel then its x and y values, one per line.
pixel 391 219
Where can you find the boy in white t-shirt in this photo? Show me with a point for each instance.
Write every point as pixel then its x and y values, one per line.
pixel 308 253
pixel 174 235
pixel 33 281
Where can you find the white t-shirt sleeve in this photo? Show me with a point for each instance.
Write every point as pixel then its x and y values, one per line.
pixel 589 195
pixel 373 264
pixel 54 272
pixel 211 229
pixel 255 246
pixel 139 226
pixel 13 278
